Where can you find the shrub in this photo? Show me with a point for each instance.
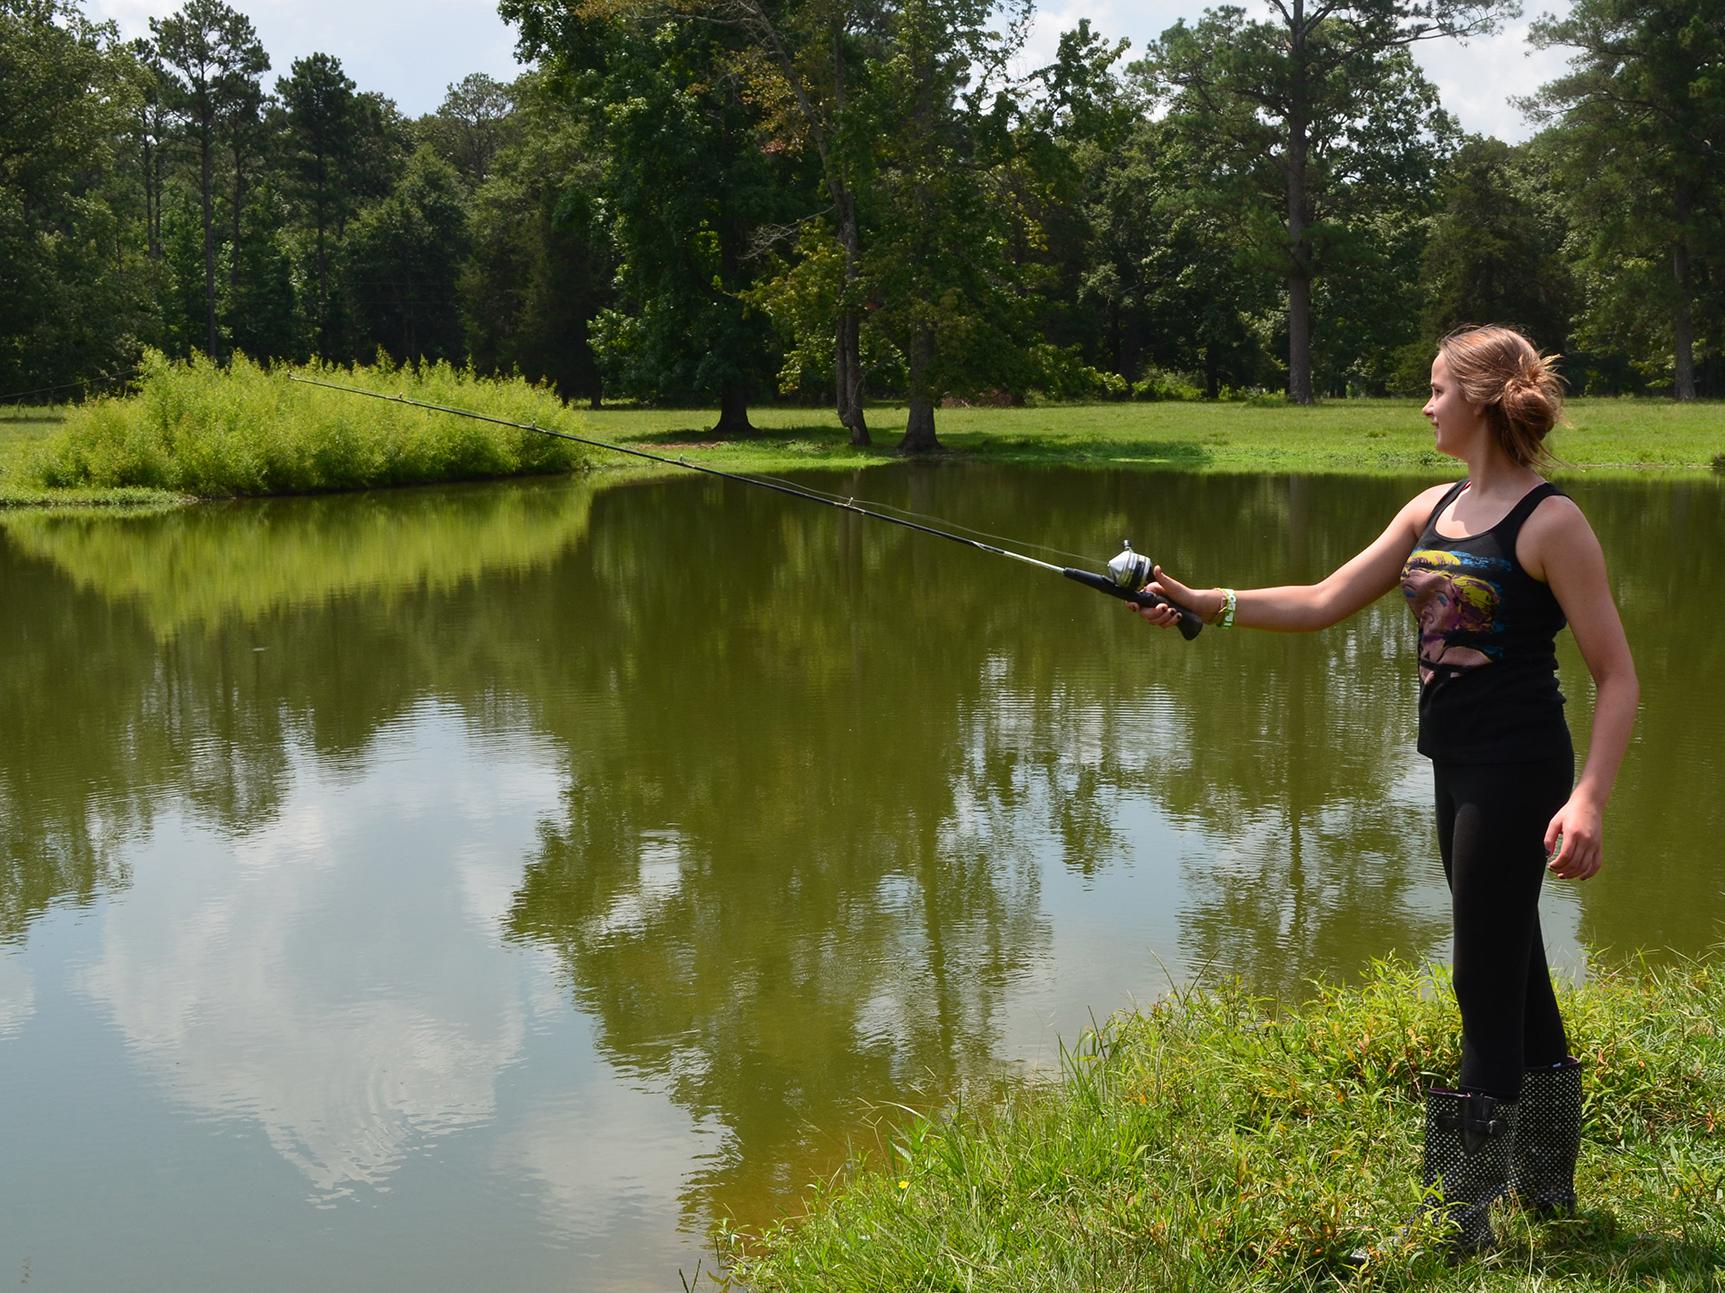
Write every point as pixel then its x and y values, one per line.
pixel 1166 384
pixel 200 428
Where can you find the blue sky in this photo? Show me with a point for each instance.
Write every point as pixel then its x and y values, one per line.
pixel 412 51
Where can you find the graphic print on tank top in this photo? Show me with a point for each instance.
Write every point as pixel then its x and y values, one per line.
pixel 1455 597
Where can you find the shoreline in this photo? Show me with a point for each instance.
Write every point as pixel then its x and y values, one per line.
pixel 1604 439
pixel 1212 1141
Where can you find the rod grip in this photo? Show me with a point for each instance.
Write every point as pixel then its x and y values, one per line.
pixel 1189 624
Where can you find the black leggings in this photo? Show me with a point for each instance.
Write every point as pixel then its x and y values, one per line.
pixel 1491 821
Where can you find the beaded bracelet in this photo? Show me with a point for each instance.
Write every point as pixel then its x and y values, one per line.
pixel 1225 617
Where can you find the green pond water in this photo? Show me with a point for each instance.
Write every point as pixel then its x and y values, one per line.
pixel 490 887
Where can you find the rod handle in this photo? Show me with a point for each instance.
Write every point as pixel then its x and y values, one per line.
pixel 1190 625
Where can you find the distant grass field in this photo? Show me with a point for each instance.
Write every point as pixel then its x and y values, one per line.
pixel 1631 437
pixel 1383 437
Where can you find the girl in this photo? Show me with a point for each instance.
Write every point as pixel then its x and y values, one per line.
pixel 1492 568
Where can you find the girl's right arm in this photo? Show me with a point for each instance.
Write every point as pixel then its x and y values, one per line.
pixel 1301 608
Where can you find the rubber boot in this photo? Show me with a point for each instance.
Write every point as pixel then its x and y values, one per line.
pixel 1547 1137
pixel 1469 1137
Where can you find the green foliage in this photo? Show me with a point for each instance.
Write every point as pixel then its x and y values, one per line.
pixel 211 61
pixel 541 262
pixel 1495 253
pixel 1164 384
pixel 197 428
pixel 710 197
pixel 320 142
pixel 475 120
pixel 687 186
pixel 275 554
pixel 1212 1142
pixel 400 263
pixel 1321 127
pixel 1636 142
pixel 72 281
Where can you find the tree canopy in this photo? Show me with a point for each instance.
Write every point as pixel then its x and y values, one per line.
pixel 724 202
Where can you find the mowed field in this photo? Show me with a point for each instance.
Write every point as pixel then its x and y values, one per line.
pixel 1611 436
pixel 1344 436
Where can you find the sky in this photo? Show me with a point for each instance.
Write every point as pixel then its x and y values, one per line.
pixel 413 50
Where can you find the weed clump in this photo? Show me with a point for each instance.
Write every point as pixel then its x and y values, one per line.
pixel 217 432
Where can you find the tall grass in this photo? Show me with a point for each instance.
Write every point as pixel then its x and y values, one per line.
pixel 215 432
pixel 1210 1144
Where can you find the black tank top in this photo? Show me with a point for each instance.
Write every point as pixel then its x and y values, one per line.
pixel 1488 664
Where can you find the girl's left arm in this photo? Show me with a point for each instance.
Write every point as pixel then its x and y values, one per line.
pixel 1574 566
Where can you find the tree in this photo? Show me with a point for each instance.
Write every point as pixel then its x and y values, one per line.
pixel 152 122
pixel 261 305
pixel 688 188
pixel 323 132
pixel 70 286
pixel 472 123
pixel 213 60
pixel 401 259
pixel 807 59
pixel 1639 119
pixel 1495 249
pixel 946 290
pixel 541 264
pixel 1311 93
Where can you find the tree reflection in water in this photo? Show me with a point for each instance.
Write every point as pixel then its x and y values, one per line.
pixel 820 776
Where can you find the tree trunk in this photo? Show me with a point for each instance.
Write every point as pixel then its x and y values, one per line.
pixel 322 276
pixel 234 255
pixel 734 410
pixel 848 372
pixel 206 184
pixel 1299 257
pixel 847 362
pixel 919 427
pixel 1682 320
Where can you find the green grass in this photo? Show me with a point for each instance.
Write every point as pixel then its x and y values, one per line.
pixel 1349 436
pixel 199 430
pixel 1212 1143
pixel 212 432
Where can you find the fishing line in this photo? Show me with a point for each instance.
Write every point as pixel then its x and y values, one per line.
pixel 1128 572
pixel 926 516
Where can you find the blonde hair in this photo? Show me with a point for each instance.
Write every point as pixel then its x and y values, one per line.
pixel 1522 393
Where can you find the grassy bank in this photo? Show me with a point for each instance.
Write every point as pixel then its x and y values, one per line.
pixel 200 431
pixel 1346 436
pixel 1211 1144
pixel 206 431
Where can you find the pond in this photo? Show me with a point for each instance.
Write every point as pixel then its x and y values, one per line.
pixel 492 886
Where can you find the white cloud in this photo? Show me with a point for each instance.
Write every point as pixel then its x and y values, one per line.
pixel 1478 79
pixel 17 995
pixel 336 976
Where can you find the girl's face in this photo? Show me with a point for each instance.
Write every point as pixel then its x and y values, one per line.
pixel 1458 423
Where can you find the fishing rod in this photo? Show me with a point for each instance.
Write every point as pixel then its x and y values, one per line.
pixel 1128 572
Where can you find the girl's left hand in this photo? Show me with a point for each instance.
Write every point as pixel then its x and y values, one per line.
pixel 1575 835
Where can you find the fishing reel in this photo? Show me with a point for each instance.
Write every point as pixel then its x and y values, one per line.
pixel 1128 574
pixel 1131 570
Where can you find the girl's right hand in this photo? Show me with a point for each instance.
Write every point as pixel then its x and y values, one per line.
pixel 1204 603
